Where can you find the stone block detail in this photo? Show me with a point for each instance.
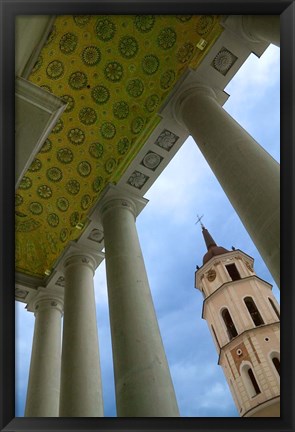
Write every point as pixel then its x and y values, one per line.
pixel 137 179
pixel 151 160
pixel 166 140
pixel 223 61
pixel 60 281
pixel 22 294
pixel 96 235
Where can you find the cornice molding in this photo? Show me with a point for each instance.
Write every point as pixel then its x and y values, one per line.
pixel 43 109
pixel 241 335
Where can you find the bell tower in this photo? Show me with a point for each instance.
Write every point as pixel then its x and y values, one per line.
pixel 244 320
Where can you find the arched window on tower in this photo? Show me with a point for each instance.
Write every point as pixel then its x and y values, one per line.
pixel 231 329
pixel 275 358
pixel 250 381
pixel 277 364
pixel 274 307
pixel 253 381
pixel 253 311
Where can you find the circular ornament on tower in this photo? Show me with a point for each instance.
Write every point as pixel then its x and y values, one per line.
pixel 211 275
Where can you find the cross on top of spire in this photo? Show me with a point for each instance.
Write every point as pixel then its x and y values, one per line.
pixel 199 220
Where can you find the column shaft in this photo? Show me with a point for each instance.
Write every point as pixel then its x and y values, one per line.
pixel 44 377
pixel 143 383
pixel 81 391
pixel 249 176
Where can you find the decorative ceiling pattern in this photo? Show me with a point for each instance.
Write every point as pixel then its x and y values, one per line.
pixel 114 72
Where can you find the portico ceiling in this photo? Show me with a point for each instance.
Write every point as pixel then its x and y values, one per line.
pixel 114 72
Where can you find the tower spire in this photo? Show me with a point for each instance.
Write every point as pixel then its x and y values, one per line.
pixel 208 238
pixel 212 247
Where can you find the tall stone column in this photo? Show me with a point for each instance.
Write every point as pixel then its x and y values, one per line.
pixel 261 28
pixel 249 176
pixel 142 379
pixel 44 376
pixel 81 390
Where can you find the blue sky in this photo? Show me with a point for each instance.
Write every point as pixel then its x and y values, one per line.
pixel 173 245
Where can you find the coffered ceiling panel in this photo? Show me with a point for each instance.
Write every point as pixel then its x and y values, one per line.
pixel 114 72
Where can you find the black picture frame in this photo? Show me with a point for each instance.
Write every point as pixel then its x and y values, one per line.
pixel 8 10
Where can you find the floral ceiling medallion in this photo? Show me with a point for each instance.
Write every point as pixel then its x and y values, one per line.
pixel 114 72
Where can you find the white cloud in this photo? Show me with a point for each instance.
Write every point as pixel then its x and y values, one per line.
pixel 200 391
pixel 216 395
pixel 256 77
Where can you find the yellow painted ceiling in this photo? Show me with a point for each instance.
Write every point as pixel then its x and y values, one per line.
pixel 114 72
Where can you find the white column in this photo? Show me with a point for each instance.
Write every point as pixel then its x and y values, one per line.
pixel 258 28
pixel 81 390
pixel 44 377
pixel 142 379
pixel 249 176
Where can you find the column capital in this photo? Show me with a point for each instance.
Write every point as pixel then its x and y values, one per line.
pixel 189 90
pixel 111 203
pixel 256 31
pixel 77 249
pixel 46 299
pixel 191 85
pixel 245 28
pixel 258 28
pixel 117 197
pixel 80 258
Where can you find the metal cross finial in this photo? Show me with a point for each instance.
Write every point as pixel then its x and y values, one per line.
pixel 199 220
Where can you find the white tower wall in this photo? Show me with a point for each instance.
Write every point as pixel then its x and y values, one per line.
pixel 243 318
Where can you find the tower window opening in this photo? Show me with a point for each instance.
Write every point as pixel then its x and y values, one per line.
pixel 274 307
pixel 254 382
pixel 249 380
pixel 253 311
pixel 233 272
pixel 231 329
pixel 276 363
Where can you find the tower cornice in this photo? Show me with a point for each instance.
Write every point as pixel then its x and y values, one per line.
pixel 229 284
pixel 241 335
pixel 218 257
